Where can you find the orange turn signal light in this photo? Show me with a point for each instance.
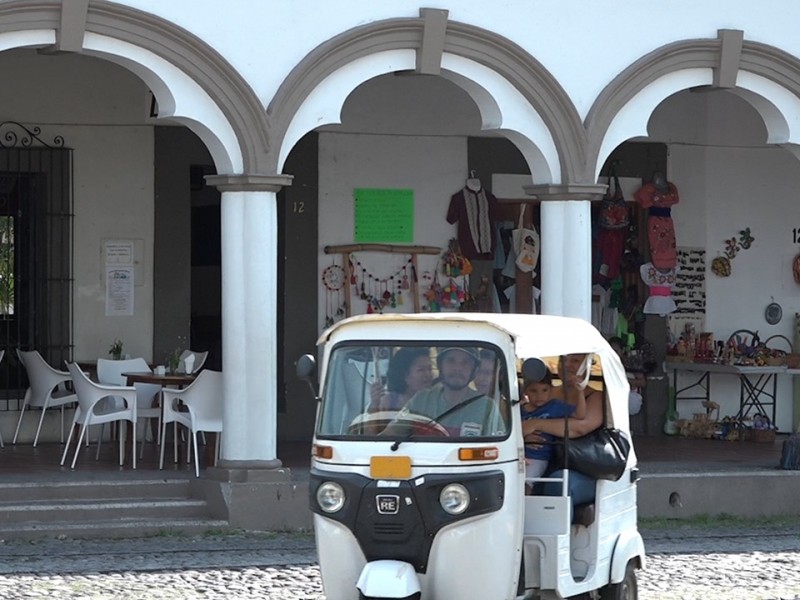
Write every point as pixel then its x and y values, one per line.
pixel 322 451
pixel 485 453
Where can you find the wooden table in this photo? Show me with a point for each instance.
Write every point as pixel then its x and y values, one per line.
pixel 169 380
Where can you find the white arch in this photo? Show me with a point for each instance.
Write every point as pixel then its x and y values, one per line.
pixel 778 107
pixel 509 112
pixel 631 121
pixel 27 38
pixel 179 97
pixel 323 106
pixel 504 109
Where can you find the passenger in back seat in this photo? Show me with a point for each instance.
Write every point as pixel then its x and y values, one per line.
pixel 539 403
pixel 581 487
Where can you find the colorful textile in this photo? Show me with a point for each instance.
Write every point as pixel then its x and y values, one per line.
pixel 660 228
pixel 659 283
pixel 475 213
pixel 610 247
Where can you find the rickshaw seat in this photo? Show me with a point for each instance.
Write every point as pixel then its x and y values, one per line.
pixel 583 514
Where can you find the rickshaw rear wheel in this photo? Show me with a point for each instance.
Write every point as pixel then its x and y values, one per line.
pixel 627 589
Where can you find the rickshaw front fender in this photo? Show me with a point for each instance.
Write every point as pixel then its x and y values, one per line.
pixel 629 545
pixel 388 579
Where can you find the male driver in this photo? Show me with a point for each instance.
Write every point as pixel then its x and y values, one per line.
pixel 456 406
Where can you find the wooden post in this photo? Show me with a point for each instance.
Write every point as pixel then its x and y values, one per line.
pixel 348 274
pixel 523 292
pixel 415 283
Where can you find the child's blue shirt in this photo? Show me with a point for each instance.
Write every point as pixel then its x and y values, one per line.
pixel 553 409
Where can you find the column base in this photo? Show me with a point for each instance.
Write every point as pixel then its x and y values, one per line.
pixel 256 496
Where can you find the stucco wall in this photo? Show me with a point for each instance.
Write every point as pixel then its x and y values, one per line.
pixel 99 109
pixel 729 180
pixel 433 167
pixel 583 44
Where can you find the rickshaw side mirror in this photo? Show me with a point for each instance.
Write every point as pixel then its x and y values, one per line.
pixel 533 369
pixel 306 369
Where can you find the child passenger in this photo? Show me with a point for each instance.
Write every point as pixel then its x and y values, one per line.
pixel 538 403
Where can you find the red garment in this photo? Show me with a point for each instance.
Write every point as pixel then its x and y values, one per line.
pixel 610 246
pixel 649 196
pixel 482 223
pixel 661 236
pixel 660 228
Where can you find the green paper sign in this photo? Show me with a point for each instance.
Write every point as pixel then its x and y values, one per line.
pixel 384 216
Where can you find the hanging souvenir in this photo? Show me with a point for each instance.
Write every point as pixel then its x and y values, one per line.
pixel 333 278
pixel 380 292
pixel 721 266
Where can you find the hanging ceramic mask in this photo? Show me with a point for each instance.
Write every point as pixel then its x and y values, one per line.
pixel 721 266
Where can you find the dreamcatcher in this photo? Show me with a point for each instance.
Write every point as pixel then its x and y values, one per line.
pixel 333 280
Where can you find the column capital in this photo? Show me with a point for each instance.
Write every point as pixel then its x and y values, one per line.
pixel 567 191
pixel 245 182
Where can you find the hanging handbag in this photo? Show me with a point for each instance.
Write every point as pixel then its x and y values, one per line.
pixel 526 245
pixel 601 454
pixel 613 210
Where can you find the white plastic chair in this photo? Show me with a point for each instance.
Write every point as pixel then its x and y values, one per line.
pixel 110 372
pixel 202 400
pixel 199 360
pixel 93 410
pixel 47 390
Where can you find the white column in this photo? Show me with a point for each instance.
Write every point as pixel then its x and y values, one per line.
pixel 566 247
pixel 577 283
pixel 551 257
pixel 249 364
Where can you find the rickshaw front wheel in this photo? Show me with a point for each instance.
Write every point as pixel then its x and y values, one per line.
pixel 627 589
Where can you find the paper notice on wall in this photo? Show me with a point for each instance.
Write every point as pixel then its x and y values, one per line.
pixel 119 291
pixel 118 252
pixel 689 291
pixel 690 282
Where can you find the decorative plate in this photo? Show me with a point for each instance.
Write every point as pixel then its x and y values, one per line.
pixel 773 313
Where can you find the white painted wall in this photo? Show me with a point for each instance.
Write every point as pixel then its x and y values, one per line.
pixel 728 180
pixel 434 167
pixel 99 109
pixel 113 200
pixel 583 44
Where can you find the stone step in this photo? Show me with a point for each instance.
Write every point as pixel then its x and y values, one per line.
pixel 114 528
pixel 89 489
pixel 90 510
pixel 136 506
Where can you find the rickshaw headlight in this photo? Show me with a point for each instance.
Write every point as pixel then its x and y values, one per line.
pixel 330 497
pixel 454 499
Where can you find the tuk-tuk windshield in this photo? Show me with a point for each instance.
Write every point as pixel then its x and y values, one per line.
pixel 415 392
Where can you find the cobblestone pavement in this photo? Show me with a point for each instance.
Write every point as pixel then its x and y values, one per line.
pixel 686 564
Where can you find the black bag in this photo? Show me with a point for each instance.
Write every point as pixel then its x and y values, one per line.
pixel 601 454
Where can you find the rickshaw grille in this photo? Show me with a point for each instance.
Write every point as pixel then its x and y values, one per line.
pixel 388 529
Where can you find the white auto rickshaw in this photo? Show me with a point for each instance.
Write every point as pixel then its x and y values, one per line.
pixel 426 500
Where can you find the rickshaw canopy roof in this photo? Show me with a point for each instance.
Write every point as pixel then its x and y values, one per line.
pixel 533 335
